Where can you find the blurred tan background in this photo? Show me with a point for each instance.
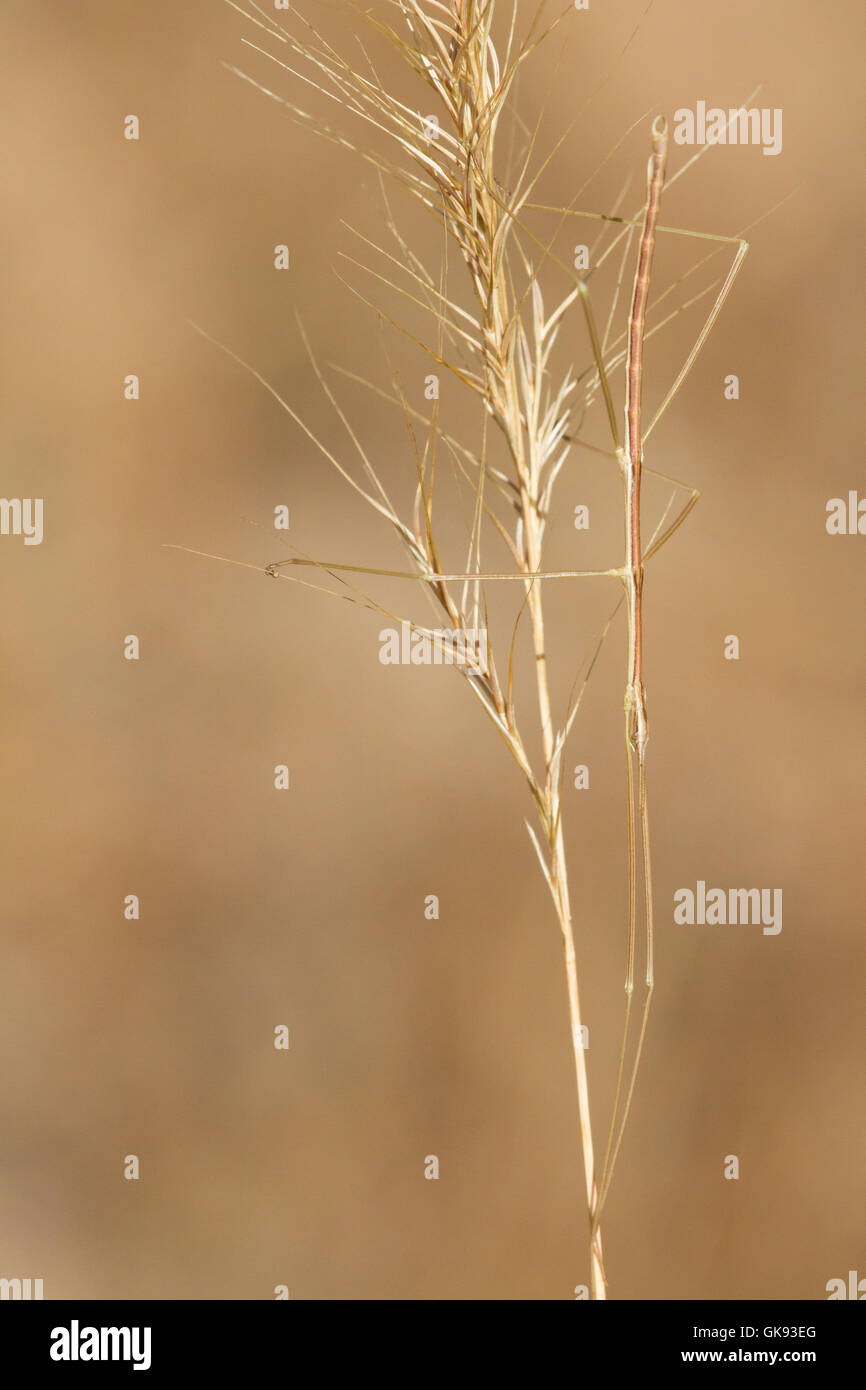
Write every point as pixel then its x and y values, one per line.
pixel 409 1037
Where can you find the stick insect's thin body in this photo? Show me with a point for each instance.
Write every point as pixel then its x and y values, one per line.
pixel 632 455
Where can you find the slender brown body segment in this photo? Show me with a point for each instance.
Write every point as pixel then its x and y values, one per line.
pixel 633 458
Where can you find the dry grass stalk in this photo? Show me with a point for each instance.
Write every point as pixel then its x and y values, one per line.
pixel 500 345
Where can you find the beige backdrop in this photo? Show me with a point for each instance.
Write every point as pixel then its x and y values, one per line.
pixel 154 777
